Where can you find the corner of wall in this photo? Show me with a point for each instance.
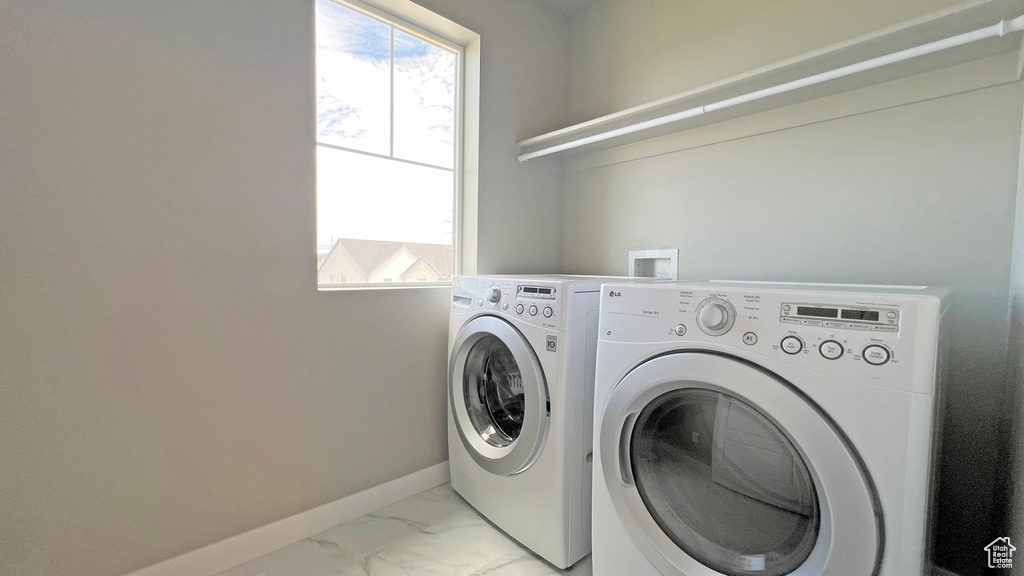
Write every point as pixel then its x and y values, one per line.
pixel 1014 486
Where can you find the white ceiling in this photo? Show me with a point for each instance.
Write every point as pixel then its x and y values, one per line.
pixel 567 6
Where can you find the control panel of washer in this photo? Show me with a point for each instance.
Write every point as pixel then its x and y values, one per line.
pixel 846 333
pixel 533 302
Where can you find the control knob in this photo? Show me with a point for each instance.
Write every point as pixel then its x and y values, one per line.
pixel 494 294
pixel 715 316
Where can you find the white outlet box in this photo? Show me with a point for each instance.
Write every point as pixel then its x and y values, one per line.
pixel 654 263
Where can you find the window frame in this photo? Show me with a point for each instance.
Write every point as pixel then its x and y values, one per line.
pixel 418 21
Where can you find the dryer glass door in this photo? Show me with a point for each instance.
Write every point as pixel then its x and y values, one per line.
pixel 724 483
pixel 716 466
pixel 498 395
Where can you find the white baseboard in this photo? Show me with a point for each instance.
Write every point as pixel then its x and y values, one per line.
pixel 220 556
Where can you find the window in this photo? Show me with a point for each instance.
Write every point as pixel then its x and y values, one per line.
pixel 388 149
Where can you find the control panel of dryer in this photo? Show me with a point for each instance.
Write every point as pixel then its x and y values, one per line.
pixel 845 317
pixel 863 336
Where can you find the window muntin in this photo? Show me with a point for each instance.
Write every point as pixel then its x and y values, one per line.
pixel 388 98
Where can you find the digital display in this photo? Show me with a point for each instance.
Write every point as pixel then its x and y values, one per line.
pixel 869 315
pixel 818 312
pixel 537 291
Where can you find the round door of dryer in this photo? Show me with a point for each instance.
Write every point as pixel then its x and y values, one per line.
pixel 716 466
pixel 498 395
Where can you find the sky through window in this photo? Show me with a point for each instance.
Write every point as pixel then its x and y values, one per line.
pixel 386 116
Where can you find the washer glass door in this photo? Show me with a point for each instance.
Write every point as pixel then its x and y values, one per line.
pixel 493 391
pixel 498 395
pixel 724 483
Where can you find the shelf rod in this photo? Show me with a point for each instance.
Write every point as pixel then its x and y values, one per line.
pixel 1002 28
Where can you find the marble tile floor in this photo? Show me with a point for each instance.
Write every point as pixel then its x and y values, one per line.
pixel 433 533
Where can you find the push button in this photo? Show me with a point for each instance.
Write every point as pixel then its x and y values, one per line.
pixel 876 355
pixel 519 308
pixel 750 338
pixel 680 330
pixel 830 349
pixel 533 310
pixel 548 311
pixel 791 345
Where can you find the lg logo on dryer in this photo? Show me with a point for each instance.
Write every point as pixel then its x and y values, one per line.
pixel 613 294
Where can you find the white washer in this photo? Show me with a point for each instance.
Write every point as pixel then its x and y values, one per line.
pixel 520 405
pixel 765 429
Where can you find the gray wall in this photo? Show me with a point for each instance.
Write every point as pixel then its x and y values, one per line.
pixel 525 54
pixel 169 375
pixel 911 183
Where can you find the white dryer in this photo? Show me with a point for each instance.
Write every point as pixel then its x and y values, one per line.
pixel 765 429
pixel 520 405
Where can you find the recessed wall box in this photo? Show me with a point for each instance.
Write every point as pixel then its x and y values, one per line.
pixel 654 263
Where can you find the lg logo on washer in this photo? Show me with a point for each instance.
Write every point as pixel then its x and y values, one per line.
pixel 613 294
pixel 551 344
